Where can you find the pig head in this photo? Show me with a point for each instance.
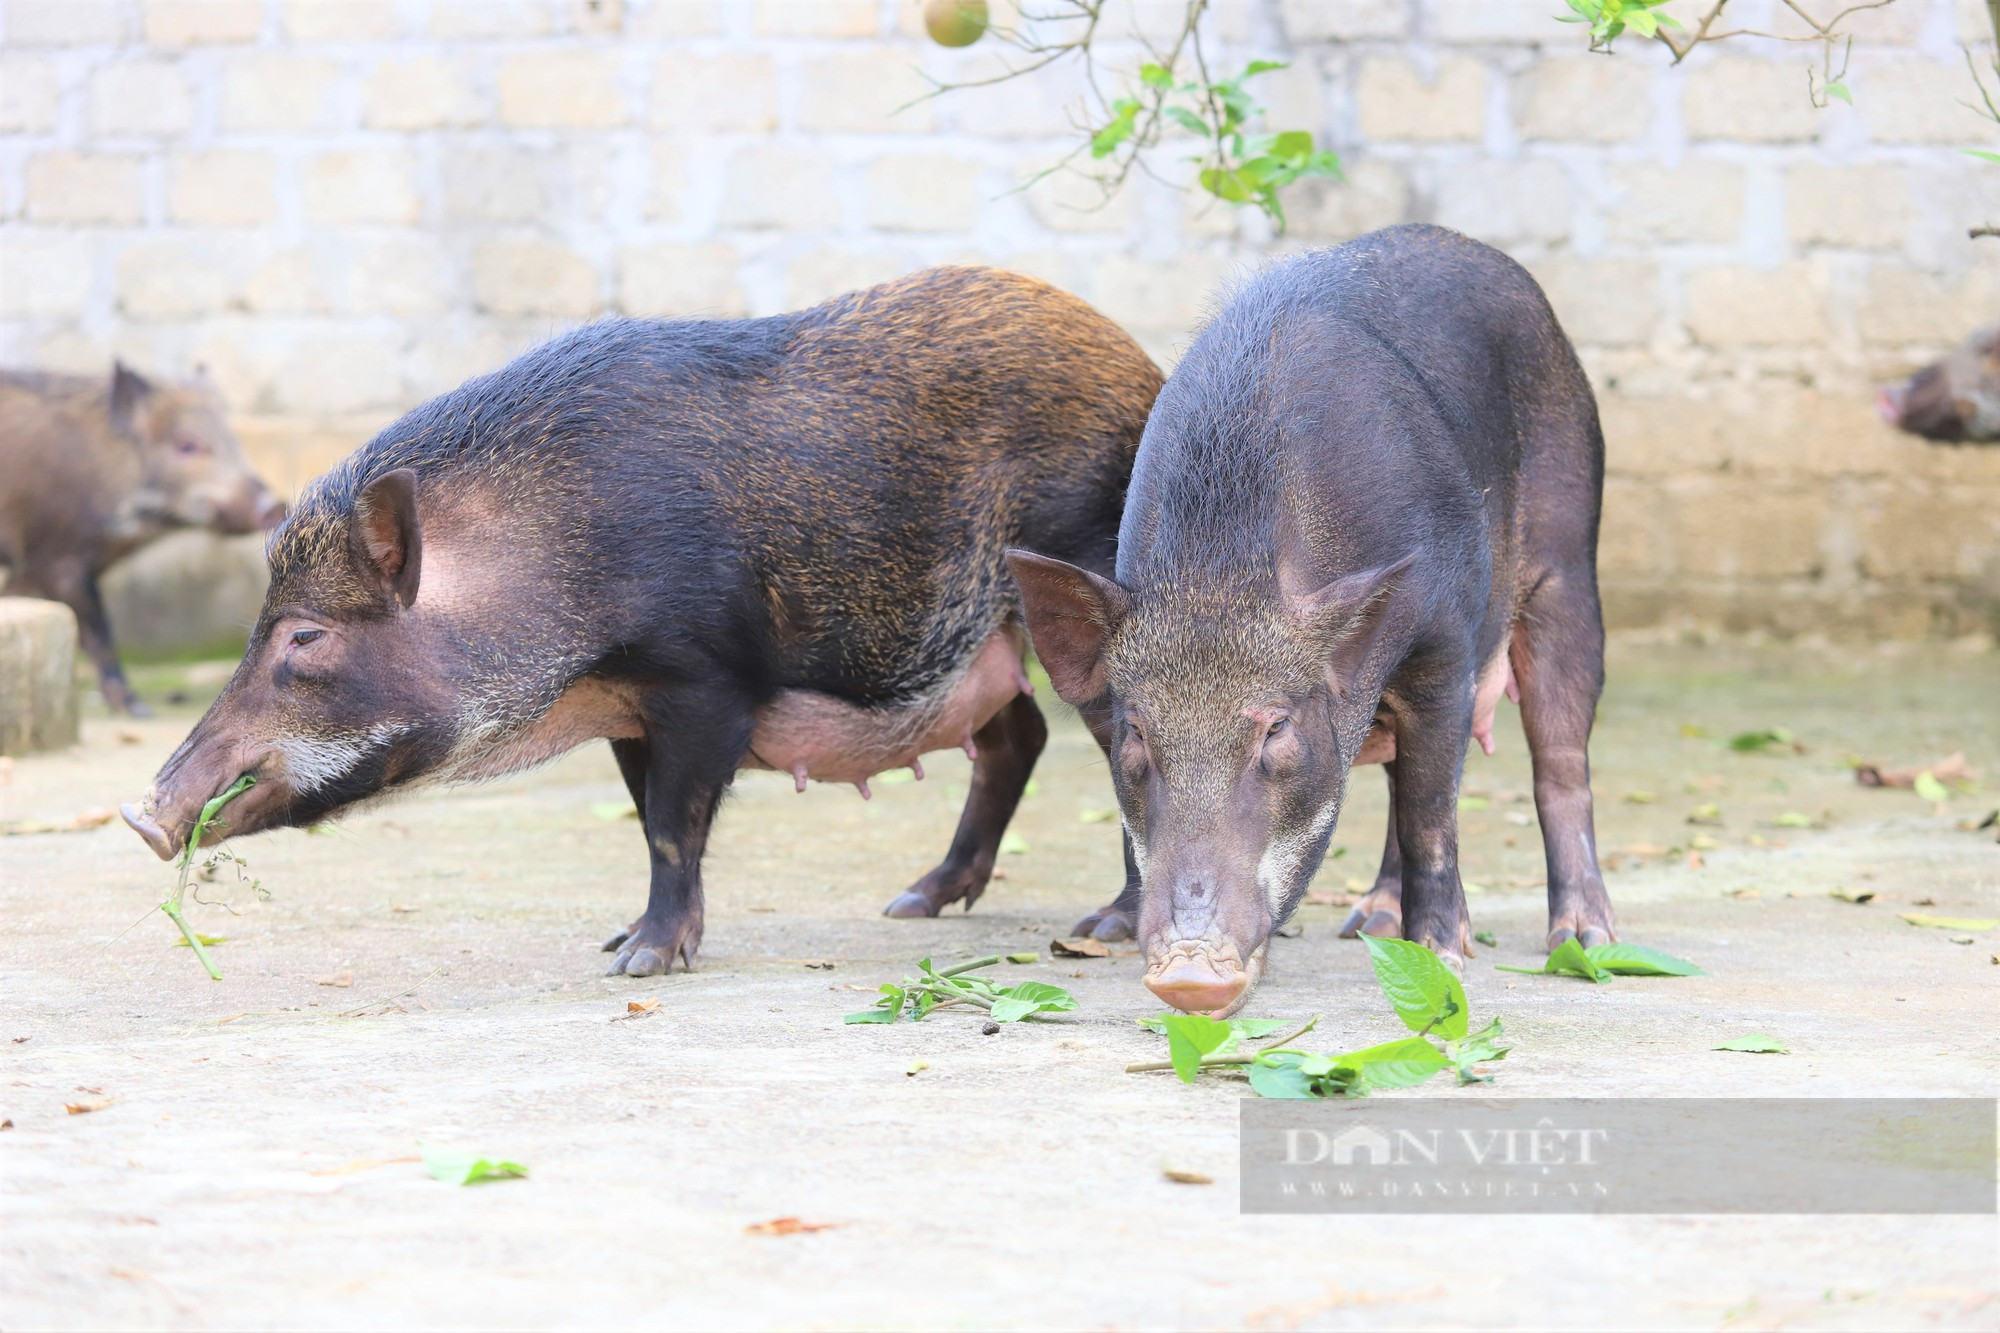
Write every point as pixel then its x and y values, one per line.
pixel 352 684
pixel 1955 399
pixel 1236 710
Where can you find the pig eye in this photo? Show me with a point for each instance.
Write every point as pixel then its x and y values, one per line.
pixel 186 448
pixel 1279 728
pixel 302 637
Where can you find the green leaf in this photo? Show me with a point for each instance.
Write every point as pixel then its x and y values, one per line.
pixel 1839 89
pixel 1279 1076
pixel 1567 959
pixel 1472 802
pixel 1393 1064
pixel 1263 67
pixel 1928 787
pixel 872 1016
pixel 1487 938
pixel 1636 960
pixel 1097 817
pixel 1481 1046
pixel 1642 23
pixel 1951 922
pixel 1247 1029
pixel 1981 154
pixel 1155 75
pixel 1191 1036
pixel 1226 185
pixel 1422 990
pixel 1013 1003
pixel 1753 742
pixel 182 942
pixel 1188 121
pixel 1851 895
pixel 1793 819
pixel 1024 958
pixel 456 1167
pixel 1124 120
pixel 1756 1043
pixel 1013 844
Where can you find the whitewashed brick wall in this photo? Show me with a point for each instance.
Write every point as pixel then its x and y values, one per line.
pixel 345 206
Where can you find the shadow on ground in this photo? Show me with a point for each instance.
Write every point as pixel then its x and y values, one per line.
pixel 429 971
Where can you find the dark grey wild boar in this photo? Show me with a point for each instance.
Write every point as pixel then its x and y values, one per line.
pixel 771 543
pixel 1953 400
pixel 1366 499
pixel 93 469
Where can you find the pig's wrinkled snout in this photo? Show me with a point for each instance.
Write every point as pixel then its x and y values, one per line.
pixel 1889 402
pixel 143 824
pixel 1197 978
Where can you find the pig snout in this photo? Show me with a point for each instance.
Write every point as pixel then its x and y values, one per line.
pixel 1199 977
pixel 252 509
pixel 1890 400
pixel 140 817
pixel 196 775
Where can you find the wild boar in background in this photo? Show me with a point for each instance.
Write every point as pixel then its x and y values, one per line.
pixel 768 543
pixel 1954 400
pixel 91 470
pixel 1366 504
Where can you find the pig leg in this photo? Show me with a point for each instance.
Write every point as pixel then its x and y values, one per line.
pixel 1558 655
pixel 78 590
pixel 1380 911
pixel 1006 747
pixel 1118 919
pixel 1431 732
pixel 677 775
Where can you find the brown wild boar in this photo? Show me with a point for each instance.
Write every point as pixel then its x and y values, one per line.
pixel 92 469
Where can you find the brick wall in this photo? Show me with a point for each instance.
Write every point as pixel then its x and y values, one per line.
pixel 344 206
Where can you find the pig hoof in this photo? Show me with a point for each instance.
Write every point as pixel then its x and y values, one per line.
pixel 1108 924
pixel 1589 937
pixel 937 891
pixel 911 904
pixel 611 945
pixel 641 963
pixel 1379 913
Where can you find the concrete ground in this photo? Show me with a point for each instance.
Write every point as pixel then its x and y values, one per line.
pixel 253 1168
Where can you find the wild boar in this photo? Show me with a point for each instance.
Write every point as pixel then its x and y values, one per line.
pixel 92 470
pixel 1953 400
pixel 1365 506
pixel 769 543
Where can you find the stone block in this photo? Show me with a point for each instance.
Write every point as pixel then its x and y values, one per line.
pixel 1602 302
pixel 1729 97
pixel 223 187
pixel 202 22
pixel 28 95
pixel 1917 101
pixel 817 18
pixel 188 592
pixel 38 708
pixel 1343 20
pixel 411 275
pixel 275 92
pixel 1510 21
pixel 336 370
pixel 1507 203
pixel 141 97
pixel 679 281
pixel 362 185
pixel 522 277
pixel 1070 201
pixel 494 182
pixel 770 186
pixel 1633 537
pixel 1698 201
pixel 1157 297
pixel 69 23
pixel 178 278
pixel 562 90
pixel 94 189
pixel 420 93
pixel 1733 306
pixel 819 275
pixel 1902 305
pixel 1585 99
pixel 863 91
pixel 1859 206
pixel 1729 530
pixel 735 90
pixel 1396 101
pixel 48 273
pixel 922 192
pixel 473 19
pixel 288 283
pixel 1375 194
pixel 340 20
pixel 652 19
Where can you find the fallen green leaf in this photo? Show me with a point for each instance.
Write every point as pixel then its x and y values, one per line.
pixel 1013 844
pixel 1567 959
pixel 1636 960
pixel 1756 1043
pixel 1472 802
pixel 1246 1029
pixel 1928 787
pixel 1951 922
pixel 1752 742
pixel 1191 1036
pixel 1793 819
pixel 1097 817
pixel 1851 895
pixel 456 1167
pixel 1487 938
pixel 184 943
pixel 1425 994
pixel 1024 958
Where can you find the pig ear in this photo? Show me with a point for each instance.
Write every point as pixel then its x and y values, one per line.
pixel 128 389
pixel 1070 611
pixel 1346 616
pixel 386 538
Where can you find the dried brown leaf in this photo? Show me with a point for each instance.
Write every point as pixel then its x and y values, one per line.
pixel 1079 948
